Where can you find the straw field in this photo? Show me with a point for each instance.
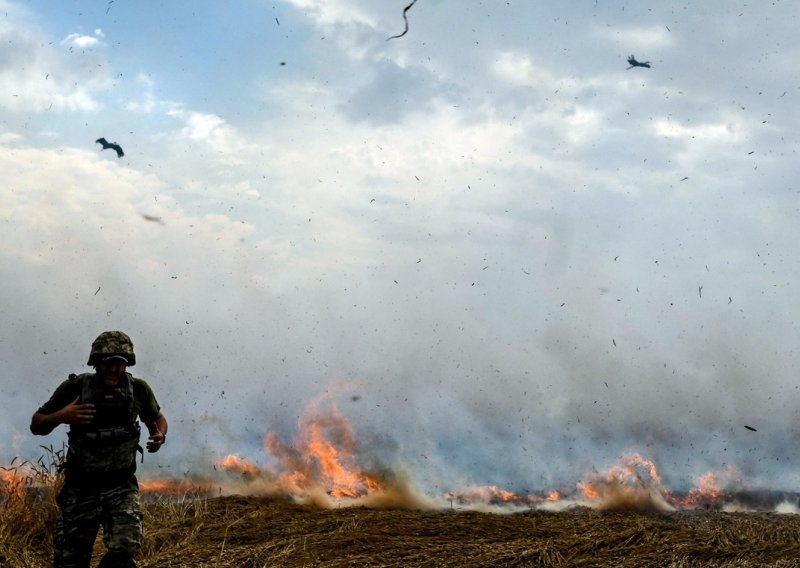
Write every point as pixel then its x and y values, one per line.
pixel 251 531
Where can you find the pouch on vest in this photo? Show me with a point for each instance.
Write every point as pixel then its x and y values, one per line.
pixel 111 446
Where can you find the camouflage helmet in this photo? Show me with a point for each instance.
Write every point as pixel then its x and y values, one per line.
pixel 109 344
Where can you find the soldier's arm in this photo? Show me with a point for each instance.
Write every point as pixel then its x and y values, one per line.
pixel 73 413
pixel 158 433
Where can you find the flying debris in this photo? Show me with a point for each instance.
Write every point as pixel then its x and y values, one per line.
pixel 750 428
pixel 405 31
pixel 152 218
pixel 113 145
pixel 634 63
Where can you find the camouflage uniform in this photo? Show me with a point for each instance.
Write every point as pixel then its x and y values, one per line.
pixel 84 510
pixel 100 487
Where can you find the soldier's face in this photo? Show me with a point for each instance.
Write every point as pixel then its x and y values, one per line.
pixel 112 370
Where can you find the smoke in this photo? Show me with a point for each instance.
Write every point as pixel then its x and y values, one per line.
pixel 542 267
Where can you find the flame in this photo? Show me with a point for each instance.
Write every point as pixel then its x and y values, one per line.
pixel 231 464
pixel 492 495
pixel 175 487
pixel 12 484
pixel 710 490
pixel 235 464
pixel 633 484
pixel 323 454
pixel 319 465
pixel 15 481
pixel 707 493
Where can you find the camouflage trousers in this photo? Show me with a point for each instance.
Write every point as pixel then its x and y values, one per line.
pixel 84 509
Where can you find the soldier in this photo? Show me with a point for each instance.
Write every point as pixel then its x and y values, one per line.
pixel 100 486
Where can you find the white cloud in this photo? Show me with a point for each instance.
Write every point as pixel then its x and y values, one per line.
pixel 72 199
pixel 518 69
pixel 729 132
pixel 44 78
pixel 641 38
pixel 80 40
pixel 212 130
pixel 147 102
pixel 329 12
pixel 7 137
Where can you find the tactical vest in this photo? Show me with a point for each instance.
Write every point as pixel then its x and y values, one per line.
pixel 107 446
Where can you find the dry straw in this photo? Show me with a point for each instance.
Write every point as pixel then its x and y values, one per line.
pixel 257 532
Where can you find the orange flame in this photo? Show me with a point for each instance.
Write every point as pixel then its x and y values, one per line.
pixel 320 463
pixel 175 487
pixel 553 496
pixel 12 484
pixel 323 454
pixel 491 494
pixel 235 464
pixel 710 490
pixel 15 481
pixel 707 492
pixel 632 484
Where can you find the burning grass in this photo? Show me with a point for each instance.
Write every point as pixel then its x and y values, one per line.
pixel 318 506
pixel 28 510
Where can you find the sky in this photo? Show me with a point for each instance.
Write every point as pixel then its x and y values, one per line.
pixel 506 257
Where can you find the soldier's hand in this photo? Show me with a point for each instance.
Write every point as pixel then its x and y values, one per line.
pixel 75 413
pixel 155 441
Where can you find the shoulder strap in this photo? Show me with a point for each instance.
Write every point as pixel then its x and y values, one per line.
pixel 132 412
pixel 131 405
pixel 86 387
